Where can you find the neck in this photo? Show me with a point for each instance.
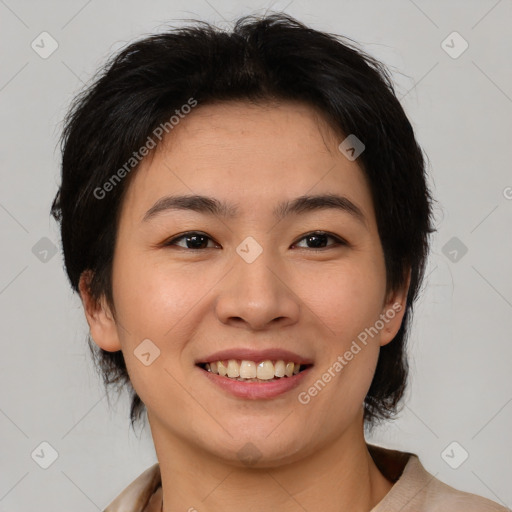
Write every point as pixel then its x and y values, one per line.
pixel 342 476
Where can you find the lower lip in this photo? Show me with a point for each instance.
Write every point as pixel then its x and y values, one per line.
pixel 256 390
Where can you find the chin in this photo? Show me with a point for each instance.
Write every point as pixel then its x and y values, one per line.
pixel 261 448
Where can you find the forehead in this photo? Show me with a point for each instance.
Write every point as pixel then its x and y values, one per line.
pixel 281 128
pixel 248 154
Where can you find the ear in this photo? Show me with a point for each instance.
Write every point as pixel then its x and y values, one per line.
pixel 393 311
pixel 99 316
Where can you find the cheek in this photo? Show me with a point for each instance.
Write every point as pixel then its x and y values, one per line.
pixel 347 298
pixel 151 297
pixel 348 301
pixel 152 304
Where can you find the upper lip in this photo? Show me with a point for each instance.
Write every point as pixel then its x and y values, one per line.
pixel 241 354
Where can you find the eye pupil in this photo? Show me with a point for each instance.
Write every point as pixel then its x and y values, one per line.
pixel 319 240
pixel 196 245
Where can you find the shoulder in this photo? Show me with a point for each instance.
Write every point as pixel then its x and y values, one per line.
pixel 137 495
pixel 442 498
pixel 417 490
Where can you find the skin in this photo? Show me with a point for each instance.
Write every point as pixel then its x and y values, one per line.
pixel 193 302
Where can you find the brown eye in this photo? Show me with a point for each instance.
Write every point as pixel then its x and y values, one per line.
pixel 192 240
pixel 318 240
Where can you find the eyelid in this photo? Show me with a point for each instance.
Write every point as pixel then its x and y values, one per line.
pixel 172 241
pixel 338 240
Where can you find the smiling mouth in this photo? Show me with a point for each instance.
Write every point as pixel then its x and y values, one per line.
pixel 250 371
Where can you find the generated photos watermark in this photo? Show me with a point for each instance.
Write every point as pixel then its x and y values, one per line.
pixel 337 366
pixel 137 156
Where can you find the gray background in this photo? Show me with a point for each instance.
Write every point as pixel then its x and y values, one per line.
pixel 460 351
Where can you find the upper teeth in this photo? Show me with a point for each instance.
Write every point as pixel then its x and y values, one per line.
pixel 265 370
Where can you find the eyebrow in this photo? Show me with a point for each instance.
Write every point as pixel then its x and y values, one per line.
pixel 299 205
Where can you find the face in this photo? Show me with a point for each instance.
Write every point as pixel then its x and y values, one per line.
pixel 264 279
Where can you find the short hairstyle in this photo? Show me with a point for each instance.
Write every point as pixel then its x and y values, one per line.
pixel 263 59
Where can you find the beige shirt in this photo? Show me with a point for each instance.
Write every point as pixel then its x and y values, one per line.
pixel 414 489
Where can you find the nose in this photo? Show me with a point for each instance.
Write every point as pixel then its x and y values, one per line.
pixel 257 295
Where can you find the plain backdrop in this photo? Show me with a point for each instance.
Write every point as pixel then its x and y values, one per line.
pixel 459 101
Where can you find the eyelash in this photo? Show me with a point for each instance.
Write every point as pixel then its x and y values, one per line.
pixel 339 241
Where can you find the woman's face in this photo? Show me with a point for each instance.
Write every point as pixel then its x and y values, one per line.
pixel 252 282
